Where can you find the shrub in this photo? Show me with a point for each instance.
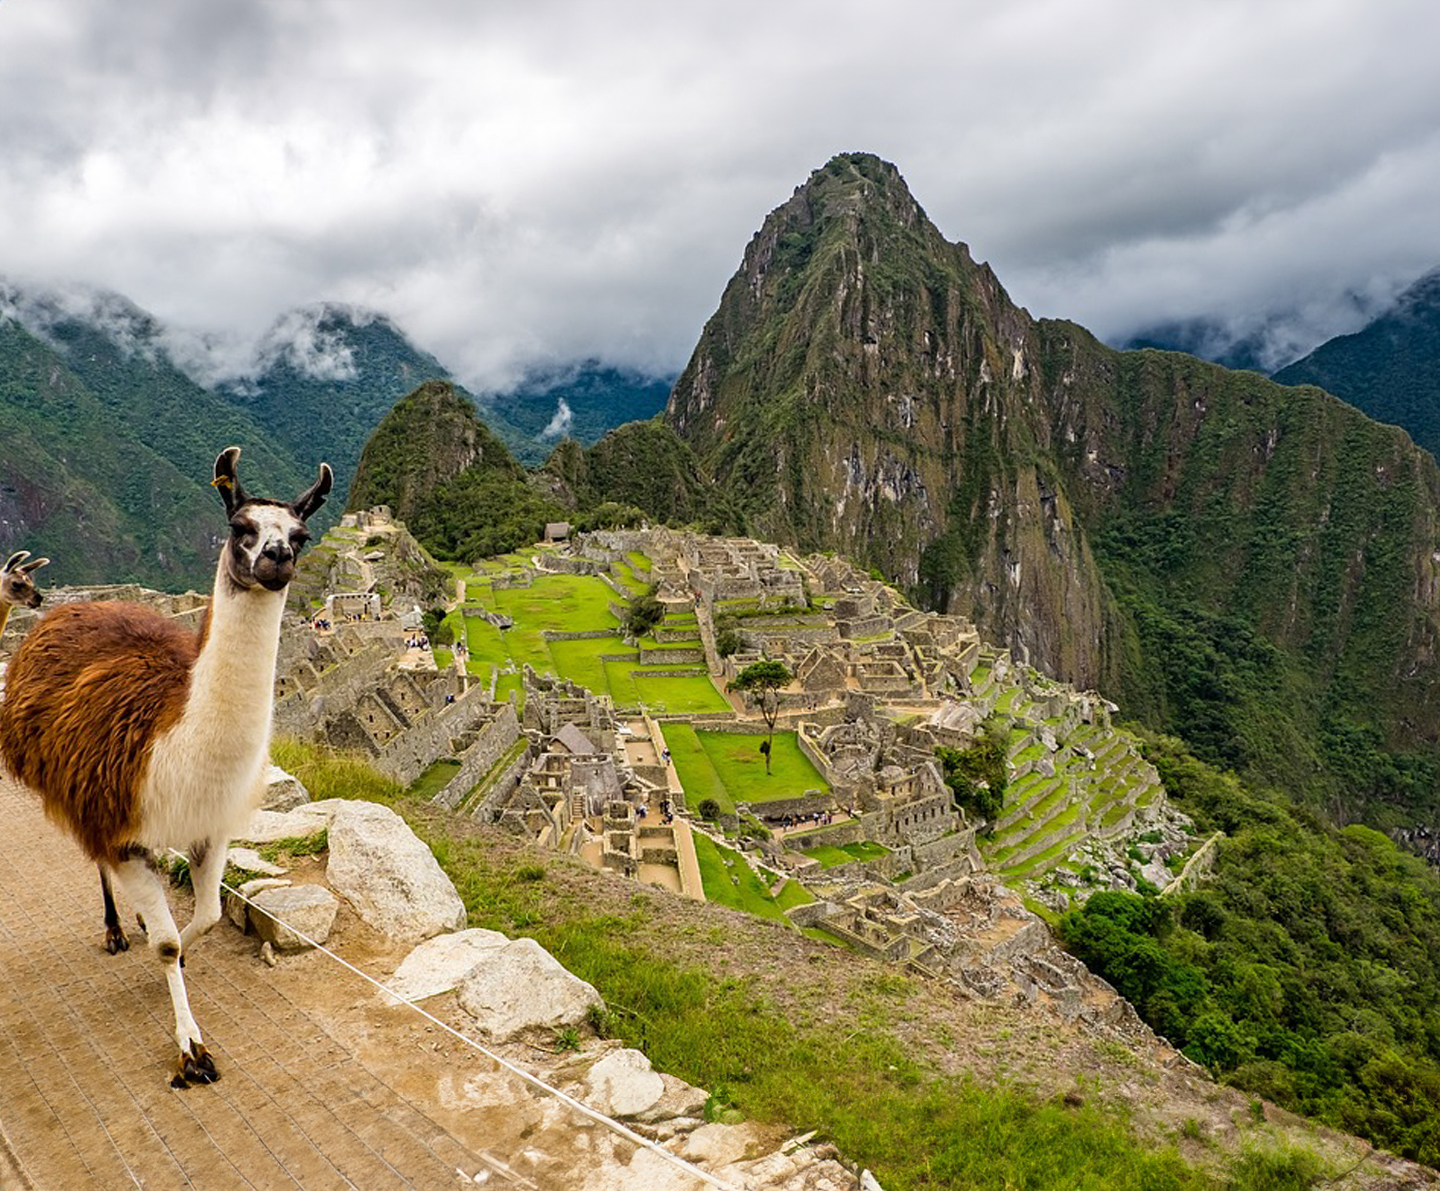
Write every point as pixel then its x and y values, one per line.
pixel 709 810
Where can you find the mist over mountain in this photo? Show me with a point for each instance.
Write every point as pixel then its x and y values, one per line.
pixel 581 401
pixel 1267 340
pixel 160 402
pixel 1390 368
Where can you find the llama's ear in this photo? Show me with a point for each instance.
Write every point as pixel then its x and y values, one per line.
pixel 314 496
pixel 14 561
pixel 35 564
pixel 227 479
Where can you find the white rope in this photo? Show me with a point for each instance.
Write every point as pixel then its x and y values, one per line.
pixel 533 1080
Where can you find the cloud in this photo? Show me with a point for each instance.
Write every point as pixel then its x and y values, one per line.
pixel 559 425
pixel 522 185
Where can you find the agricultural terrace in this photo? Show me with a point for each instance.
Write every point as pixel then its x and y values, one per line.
pixel 604 664
pixel 729 767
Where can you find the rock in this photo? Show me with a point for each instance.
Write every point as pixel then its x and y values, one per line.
pixel 521 986
pixel 268 956
pixel 680 1100
pixel 283 791
pixel 720 1145
pixel 304 821
pixel 252 862
pixel 623 1084
pixel 868 1182
pixel 307 908
pixel 436 965
pixel 392 879
pixel 236 909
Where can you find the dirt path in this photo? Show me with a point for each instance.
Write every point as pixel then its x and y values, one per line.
pixel 323 1086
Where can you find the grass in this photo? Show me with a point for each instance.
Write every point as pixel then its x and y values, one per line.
pixel 737 759
pixel 694 694
pixel 730 881
pixel 434 779
pixel 698 774
pixel 332 775
pixel 829 855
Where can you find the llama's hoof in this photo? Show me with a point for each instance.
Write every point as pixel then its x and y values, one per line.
pixel 115 940
pixel 195 1067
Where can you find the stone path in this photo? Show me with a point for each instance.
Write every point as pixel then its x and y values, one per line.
pixel 320 1088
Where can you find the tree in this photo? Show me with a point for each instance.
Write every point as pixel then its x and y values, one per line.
pixel 645 613
pixel 762 681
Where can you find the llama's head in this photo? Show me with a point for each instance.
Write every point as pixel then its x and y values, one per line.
pixel 17 583
pixel 265 535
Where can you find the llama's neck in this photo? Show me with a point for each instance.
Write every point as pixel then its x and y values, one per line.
pixel 232 685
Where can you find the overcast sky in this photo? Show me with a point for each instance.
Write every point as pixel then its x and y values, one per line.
pixel 540 181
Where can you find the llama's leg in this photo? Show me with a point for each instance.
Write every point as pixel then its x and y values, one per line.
pixel 146 892
pixel 115 940
pixel 207 866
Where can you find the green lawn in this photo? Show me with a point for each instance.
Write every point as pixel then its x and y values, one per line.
pixel 829 855
pixel 574 603
pixel 731 882
pixel 679 694
pixel 737 760
pixel 434 779
pixel 728 766
pixel 697 775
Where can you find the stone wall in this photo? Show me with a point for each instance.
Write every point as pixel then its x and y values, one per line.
pixel 494 740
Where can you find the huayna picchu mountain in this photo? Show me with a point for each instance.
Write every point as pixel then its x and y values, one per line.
pixel 1252 566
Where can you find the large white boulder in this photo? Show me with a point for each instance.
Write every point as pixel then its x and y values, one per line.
pixel 522 986
pixel 382 868
pixel 437 964
pixel 623 1084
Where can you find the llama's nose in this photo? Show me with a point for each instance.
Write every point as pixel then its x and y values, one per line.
pixel 277 552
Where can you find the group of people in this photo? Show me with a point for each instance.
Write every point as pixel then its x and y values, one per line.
pixel 420 642
pixel 321 624
pixel 813 819
pixel 667 811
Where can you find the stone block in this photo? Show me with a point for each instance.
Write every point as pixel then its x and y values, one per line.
pixel 307 908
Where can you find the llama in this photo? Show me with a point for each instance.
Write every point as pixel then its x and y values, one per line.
pixel 17 584
pixel 139 735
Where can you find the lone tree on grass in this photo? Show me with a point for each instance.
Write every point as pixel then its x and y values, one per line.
pixel 762 682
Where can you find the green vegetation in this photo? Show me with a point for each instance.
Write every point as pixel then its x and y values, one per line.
pixel 645 465
pixel 434 779
pixel 978 774
pixel 445 474
pixel 729 767
pixel 829 855
pixel 329 774
pixel 1307 970
pixel 730 881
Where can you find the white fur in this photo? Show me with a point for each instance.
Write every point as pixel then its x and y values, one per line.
pixel 205 773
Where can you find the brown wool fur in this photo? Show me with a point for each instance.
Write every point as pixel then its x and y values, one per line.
pixel 89 691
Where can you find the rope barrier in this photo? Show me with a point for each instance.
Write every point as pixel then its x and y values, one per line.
pixel 534 1081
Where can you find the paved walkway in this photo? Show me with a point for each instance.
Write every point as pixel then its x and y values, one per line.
pixel 323 1087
